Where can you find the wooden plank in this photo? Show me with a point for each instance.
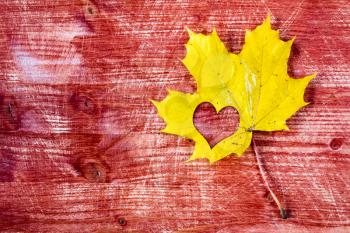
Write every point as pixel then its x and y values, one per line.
pixel 80 148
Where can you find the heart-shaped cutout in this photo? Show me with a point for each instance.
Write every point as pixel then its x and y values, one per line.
pixel 215 126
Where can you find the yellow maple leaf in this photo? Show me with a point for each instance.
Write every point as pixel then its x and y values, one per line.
pixel 255 82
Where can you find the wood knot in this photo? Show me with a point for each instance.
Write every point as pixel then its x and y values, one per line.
pixel 196 18
pixel 9 115
pixel 93 170
pixel 7 167
pixel 336 143
pixel 90 10
pixel 83 103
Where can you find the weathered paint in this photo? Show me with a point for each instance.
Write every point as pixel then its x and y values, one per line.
pixel 80 148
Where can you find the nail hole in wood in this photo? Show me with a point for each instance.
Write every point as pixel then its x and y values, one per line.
pixel 83 103
pixel 122 221
pixel 90 10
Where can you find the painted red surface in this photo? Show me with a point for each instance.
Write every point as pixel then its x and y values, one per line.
pixel 80 148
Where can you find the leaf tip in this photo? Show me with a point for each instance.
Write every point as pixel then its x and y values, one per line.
pixel 267 21
pixel 182 60
pixel 306 103
pixel 310 77
pixel 190 32
pixel 291 41
pixel 268 17
pixel 189 160
pixel 313 75
pixel 193 157
pixel 154 102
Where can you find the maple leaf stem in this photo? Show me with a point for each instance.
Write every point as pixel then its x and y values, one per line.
pixel 265 179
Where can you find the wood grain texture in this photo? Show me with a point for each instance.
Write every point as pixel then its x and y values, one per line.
pixel 80 148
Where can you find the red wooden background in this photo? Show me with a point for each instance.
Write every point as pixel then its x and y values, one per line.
pixel 80 148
